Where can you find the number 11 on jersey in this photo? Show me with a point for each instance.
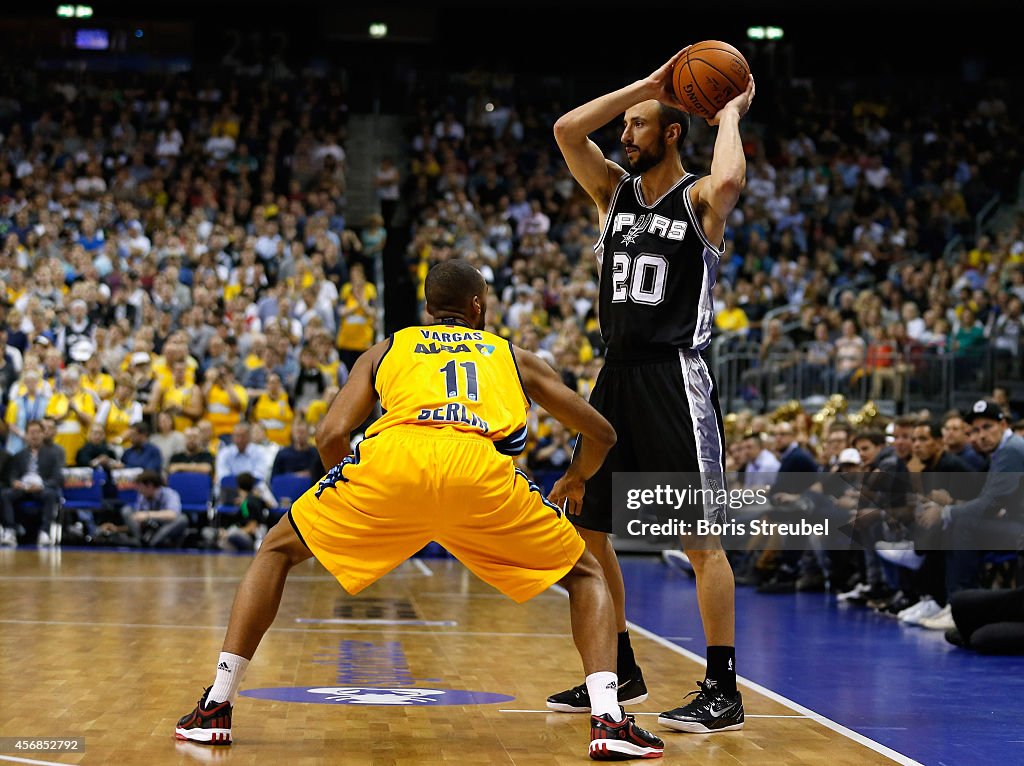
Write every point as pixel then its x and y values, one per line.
pixel 451 379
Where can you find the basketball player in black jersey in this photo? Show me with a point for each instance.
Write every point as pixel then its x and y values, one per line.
pixel 662 235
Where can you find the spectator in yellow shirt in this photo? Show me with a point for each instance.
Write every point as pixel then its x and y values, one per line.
pixel 226 400
pixel 732 318
pixel 95 379
pixel 274 412
pixel 357 327
pixel 72 409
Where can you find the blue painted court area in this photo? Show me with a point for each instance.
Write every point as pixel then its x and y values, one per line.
pixel 903 687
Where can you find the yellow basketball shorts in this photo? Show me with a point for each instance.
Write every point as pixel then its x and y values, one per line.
pixel 410 485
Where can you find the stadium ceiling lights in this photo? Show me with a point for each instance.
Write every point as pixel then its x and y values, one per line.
pixel 378 30
pixel 764 33
pixel 74 11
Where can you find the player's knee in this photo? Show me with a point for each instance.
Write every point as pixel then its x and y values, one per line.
pixel 282 541
pixel 703 552
pixel 596 541
pixel 586 567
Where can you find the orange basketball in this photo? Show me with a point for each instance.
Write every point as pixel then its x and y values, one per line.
pixel 708 76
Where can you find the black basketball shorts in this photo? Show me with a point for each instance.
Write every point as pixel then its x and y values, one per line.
pixel 667 417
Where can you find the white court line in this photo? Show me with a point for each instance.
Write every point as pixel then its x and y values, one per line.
pixel 422 567
pixel 14 759
pixel 350 621
pixel 631 712
pixel 161 626
pixel 828 723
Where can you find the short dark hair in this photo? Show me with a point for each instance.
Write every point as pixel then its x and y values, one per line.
pixel 875 437
pixel 908 421
pixel 953 415
pixel 668 115
pixel 245 481
pixel 150 479
pixel 31 423
pixel 451 285
pixel 143 427
pixel 934 428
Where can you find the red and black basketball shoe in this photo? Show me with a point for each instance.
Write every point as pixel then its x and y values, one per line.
pixel 208 724
pixel 621 740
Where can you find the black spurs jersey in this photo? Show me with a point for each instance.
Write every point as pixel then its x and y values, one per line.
pixel 657 272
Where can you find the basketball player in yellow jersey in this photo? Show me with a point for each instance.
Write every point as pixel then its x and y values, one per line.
pixel 438 466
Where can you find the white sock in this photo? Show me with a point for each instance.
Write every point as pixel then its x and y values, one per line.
pixel 230 669
pixel 603 688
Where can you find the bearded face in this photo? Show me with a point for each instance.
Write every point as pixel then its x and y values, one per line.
pixel 643 159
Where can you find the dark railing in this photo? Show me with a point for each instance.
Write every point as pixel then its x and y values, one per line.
pixel 903 381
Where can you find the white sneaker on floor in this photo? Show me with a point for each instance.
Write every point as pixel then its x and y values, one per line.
pixel 857 592
pixel 942 620
pixel 923 610
pixel 894 545
pixel 8 539
pixel 913 609
pixel 677 560
pixel 901 557
pixel 44 540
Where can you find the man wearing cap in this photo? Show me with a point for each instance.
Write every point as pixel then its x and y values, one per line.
pixel 79 327
pixel 994 519
pixel 142 375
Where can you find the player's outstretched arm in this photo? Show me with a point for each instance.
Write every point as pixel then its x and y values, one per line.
pixel 597 175
pixel 718 194
pixel 545 387
pixel 350 407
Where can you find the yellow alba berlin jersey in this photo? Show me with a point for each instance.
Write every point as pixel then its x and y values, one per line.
pixel 435 471
pixel 449 376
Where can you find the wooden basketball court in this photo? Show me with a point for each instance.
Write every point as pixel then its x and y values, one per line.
pixel 114 647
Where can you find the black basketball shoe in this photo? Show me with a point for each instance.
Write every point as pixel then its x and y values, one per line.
pixel 632 691
pixel 209 723
pixel 710 712
pixel 621 740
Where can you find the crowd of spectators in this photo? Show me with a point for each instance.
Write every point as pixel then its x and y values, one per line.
pixel 844 223
pixel 926 506
pixel 181 286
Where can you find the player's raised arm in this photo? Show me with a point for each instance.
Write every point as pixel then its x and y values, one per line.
pixel 350 407
pixel 718 193
pixel 587 164
pixel 545 387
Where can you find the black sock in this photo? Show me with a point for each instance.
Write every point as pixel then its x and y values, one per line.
pixel 722 668
pixel 627 662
